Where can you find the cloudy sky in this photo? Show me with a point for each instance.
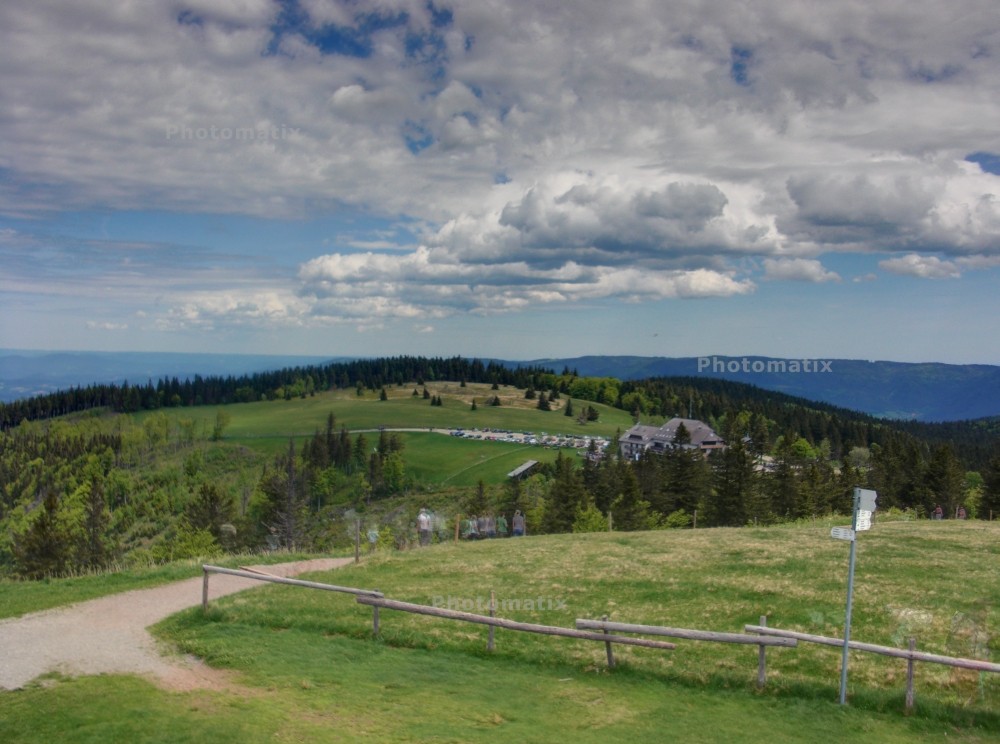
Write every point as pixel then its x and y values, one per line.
pixel 506 178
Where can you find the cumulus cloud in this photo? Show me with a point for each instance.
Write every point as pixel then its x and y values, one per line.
pixel 798 269
pixel 924 267
pixel 551 152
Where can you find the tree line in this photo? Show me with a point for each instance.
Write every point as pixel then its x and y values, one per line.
pixel 287 383
pixel 758 479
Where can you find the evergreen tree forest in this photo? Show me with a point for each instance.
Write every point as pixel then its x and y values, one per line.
pixel 84 485
pixel 87 492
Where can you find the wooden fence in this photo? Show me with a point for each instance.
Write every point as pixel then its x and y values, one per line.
pixel 910 654
pixel 606 632
pixel 261 576
pixel 760 641
pixel 498 622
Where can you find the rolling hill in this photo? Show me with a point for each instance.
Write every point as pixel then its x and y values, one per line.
pixel 918 392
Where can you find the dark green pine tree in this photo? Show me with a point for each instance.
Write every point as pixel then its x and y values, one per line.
pixel 43 549
pixel 738 497
pixel 943 482
pixel 989 504
pixel 566 496
pixel 479 501
pixel 96 548
pixel 211 508
pixel 630 511
pixel 688 481
pixel 569 407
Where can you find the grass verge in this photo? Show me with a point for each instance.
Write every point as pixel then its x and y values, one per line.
pixel 21 597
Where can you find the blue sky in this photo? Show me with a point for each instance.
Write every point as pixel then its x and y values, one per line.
pixel 509 179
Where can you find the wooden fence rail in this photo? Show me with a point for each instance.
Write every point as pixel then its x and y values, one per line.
pixel 260 576
pixel 690 635
pixel 498 622
pixel 911 654
pixel 760 641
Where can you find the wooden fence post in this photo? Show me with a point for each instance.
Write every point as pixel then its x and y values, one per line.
pixel 458 521
pixel 357 540
pixel 375 622
pixel 204 590
pixel 610 522
pixel 694 524
pixel 493 613
pixel 762 659
pixel 607 646
pixel 909 677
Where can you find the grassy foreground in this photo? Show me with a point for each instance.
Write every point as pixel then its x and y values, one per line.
pixel 305 668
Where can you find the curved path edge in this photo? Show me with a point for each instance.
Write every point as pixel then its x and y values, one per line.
pixel 109 635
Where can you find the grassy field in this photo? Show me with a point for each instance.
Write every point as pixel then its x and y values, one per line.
pixel 430 458
pixel 303 416
pixel 304 667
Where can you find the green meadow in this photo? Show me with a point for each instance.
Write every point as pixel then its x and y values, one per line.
pixel 301 665
pixel 265 427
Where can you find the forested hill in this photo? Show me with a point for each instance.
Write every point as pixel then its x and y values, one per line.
pixel 973 442
pixel 701 397
pixel 287 383
pixel 915 392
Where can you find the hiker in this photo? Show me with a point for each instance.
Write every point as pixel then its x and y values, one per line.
pixel 482 528
pixel 518 524
pixel 962 513
pixel 491 526
pixel 938 512
pixel 501 526
pixel 372 539
pixel 469 531
pixel 424 528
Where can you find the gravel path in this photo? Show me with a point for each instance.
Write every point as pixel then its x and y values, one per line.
pixel 109 636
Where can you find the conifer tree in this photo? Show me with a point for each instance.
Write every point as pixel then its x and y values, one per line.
pixel 43 549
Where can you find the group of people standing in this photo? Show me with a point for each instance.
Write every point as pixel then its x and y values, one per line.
pixel 487 526
pixel 938 513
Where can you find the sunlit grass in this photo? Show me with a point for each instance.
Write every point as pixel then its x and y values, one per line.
pixel 305 667
pixel 705 579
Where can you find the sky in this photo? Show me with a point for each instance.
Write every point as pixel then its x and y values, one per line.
pixel 517 179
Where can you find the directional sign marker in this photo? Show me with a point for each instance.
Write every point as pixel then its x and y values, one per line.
pixel 866 499
pixel 842 533
pixel 864 521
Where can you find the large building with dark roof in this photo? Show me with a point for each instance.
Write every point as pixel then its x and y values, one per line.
pixel 643 438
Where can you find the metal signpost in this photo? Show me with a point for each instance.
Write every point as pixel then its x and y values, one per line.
pixel 864 507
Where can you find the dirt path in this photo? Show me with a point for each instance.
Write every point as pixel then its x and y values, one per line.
pixel 109 636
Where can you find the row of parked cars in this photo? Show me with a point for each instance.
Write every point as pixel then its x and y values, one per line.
pixel 528 437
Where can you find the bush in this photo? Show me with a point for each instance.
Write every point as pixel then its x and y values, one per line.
pixel 590 520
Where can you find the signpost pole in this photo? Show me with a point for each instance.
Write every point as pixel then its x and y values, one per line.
pixel 850 597
pixel 861 520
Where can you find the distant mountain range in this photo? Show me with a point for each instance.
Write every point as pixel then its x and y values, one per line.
pixel 24 374
pixel 919 392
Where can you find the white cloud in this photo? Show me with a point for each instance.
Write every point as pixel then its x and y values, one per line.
pixel 924 267
pixel 553 153
pixel 798 269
